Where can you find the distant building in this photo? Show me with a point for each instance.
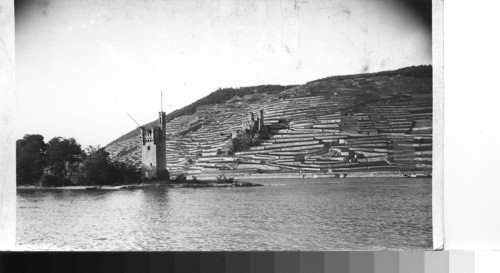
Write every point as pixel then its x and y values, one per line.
pixel 153 148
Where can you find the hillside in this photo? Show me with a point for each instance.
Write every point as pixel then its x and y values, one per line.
pixel 342 124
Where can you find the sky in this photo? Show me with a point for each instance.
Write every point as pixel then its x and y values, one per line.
pixel 82 65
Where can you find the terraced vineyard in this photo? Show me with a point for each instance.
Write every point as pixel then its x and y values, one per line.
pixel 368 123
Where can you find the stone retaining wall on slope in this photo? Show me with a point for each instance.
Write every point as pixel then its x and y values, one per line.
pixel 354 125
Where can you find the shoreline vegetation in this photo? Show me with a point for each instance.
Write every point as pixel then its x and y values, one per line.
pixel 63 164
pixel 206 182
pixel 197 183
pixel 155 184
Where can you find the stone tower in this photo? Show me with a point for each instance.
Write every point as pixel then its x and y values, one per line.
pixel 153 148
pixel 261 120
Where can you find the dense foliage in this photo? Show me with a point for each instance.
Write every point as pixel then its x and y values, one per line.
pixel 420 71
pixel 61 157
pixel 62 162
pixel 30 160
pixel 98 169
pixel 242 142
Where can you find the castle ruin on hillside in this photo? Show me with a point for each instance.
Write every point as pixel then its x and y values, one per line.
pixel 251 125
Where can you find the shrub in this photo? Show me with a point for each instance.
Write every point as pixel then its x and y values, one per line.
pixel 98 169
pixel 222 178
pixel 180 178
pixel 128 173
pixel 242 143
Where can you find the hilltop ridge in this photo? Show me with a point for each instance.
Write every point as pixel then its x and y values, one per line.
pixel 365 123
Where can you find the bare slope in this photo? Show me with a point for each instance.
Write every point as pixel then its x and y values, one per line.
pixel 356 123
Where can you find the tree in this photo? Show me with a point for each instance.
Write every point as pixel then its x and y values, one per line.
pixel 61 162
pixel 30 160
pixel 95 167
pixel 62 156
pixel 247 139
pixel 98 169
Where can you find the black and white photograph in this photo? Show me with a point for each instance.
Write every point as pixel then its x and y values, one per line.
pixel 226 125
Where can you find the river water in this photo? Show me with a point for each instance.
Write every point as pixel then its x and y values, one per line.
pixel 285 214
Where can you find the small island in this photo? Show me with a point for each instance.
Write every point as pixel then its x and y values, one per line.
pixel 173 184
pixel 153 184
pixel 180 181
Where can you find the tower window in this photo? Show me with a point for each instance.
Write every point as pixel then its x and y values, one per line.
pixel 150 164
pixel 149 148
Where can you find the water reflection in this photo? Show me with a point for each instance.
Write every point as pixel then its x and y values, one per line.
pixel 296 214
